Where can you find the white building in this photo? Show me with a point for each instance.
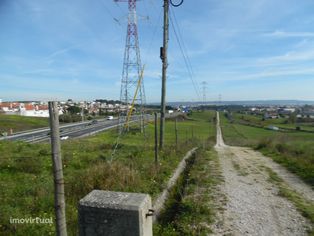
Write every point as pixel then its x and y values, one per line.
pixel 34 110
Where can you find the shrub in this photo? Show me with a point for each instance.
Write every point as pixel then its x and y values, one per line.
pixel 43 152
pixel 264 143
pixel 281 148
pixel 32 165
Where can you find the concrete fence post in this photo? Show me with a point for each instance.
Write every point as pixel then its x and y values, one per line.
pixel 115 214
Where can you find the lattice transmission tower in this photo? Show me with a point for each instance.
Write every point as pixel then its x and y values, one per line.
pixel 132 85
pixel 204 88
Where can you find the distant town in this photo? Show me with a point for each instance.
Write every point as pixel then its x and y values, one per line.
pixel 101 107
pixel 40 109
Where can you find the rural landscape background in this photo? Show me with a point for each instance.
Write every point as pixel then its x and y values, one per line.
pixel 224 87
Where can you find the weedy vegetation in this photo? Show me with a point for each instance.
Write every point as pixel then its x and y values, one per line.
pixel 26 179
pixel 191 209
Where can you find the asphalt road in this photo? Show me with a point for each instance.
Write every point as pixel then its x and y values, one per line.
pixel 69 131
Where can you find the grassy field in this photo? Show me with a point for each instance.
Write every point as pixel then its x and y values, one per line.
pixel 26 171
pixel 295 150
pixel 191 208
pixel 280 122
pixel 21 123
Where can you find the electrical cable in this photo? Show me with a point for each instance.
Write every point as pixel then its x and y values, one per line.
pixel 196 88
pixel 184 47
pixel 109 12
pixel 180 36
pixel 120 8
pixel 153 35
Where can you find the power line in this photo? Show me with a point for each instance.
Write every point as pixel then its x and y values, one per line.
pixel 110 13
pixel 117 4
pixel 204 87
pixel 188 67
pixel 184 47
pixel 155 28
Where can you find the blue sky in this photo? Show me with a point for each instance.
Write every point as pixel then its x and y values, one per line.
pixel 243 49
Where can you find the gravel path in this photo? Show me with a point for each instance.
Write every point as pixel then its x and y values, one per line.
pixel 253 206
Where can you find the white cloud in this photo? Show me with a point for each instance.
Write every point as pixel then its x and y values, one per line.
pixel 291 56
pixel 284 34
pixel 62 51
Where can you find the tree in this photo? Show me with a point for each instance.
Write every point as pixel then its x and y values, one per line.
pixel 74 110
pixel 292 118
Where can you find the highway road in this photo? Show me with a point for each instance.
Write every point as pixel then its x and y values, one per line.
pixel 74 130
pixel 69 131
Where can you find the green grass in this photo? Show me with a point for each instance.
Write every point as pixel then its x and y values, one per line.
pixel 26 180
pixel 21 123
pixel 294 150
pixel 280 122
pixel 190 209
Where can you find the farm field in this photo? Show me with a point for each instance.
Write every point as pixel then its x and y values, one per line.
pixel 26 170
pixel 294 150
pixel 280 122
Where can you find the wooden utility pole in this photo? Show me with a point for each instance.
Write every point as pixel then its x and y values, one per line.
pixel 176 132
pixel 82 113
pixel 156 139
pixel 192 132
pixel 61 229
pixel 163 56
pixel 186 136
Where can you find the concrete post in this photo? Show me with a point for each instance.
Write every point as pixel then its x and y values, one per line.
pixel 115 214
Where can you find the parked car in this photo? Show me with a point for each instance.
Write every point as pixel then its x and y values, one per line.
pixel 109 117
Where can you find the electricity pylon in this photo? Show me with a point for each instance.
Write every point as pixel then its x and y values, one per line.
pixel 204 87
pixel 131 73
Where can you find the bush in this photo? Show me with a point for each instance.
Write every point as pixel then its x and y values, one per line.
pixel 281 148
pixel 103 175
pixel 263 144
pixel 67 118
pixel 43 152
pixel 32 165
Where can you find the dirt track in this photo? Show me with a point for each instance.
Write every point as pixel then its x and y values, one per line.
pixel 252 205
